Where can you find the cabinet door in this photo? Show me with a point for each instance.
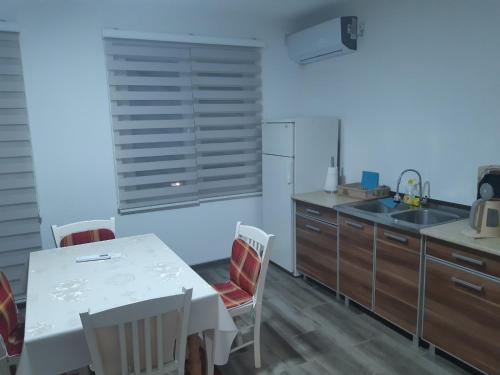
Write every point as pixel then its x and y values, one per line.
pixel 317 250
pixel 317 212
pixel 277 187
pixel 462 315
pixel 397 277
pixel 356 259
pixel 465 257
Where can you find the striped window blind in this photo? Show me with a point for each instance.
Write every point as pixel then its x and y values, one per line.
pixel 19 217
pixel 186 121
pixel 226 93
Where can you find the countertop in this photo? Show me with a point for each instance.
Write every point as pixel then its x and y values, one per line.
pixel 324 199
pixel 452 232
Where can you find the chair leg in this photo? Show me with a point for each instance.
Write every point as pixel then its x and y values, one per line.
pixel 209 349
pixel 256 339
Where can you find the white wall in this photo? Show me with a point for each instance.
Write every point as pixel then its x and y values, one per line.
pixel 423 91
pixel 66 89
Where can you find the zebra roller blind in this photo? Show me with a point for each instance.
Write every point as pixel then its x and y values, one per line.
pixel 19 217
pixel 186 121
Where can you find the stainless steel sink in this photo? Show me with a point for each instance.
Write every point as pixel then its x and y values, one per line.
pixel 376 207
pixel 403 216
pixel 424 216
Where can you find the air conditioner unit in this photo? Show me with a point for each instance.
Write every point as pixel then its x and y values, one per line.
pixel 335 37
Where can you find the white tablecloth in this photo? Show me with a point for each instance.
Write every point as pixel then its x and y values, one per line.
pixel 144 268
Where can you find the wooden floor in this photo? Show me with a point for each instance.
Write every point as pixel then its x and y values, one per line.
pixel 306 330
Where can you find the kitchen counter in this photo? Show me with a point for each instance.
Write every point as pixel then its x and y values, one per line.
pixel 324 199
pixel 352 206
pixel 452 232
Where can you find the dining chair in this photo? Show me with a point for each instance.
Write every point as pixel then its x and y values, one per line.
pixel 243 292
pixel 11 328
pixel 84 232
pixel 138 338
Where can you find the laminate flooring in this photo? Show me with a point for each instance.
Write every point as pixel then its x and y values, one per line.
pixel 307 330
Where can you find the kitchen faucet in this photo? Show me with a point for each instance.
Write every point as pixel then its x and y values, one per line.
pixel 397 197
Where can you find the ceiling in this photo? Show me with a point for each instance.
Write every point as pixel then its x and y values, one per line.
pixel 279 10
pixel 268 10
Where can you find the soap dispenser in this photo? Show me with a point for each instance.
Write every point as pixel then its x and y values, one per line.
pixel 411 197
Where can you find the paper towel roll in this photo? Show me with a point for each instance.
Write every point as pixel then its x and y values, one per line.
pixel 331 179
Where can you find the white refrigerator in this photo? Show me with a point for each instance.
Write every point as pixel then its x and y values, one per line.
pixel 295 156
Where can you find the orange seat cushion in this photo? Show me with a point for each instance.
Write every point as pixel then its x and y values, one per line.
pixel 87 236
pixel 232 295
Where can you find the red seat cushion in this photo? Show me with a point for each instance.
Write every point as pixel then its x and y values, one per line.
pixel 8 311
pixel 12 332
pixel 87 236
pixel 15 340
pixel 244 272
pixel 232 295
pixel 244 269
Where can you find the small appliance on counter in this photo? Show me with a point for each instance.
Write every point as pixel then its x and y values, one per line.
pixel 484 218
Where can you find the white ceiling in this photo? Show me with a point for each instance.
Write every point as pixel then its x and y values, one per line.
pixel 279 10
pixel 268 10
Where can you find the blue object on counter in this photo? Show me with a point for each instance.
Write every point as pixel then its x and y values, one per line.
pixel 388 202
pixel 369 180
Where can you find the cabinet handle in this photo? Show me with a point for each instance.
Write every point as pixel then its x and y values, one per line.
pixel 315 229
pixel 395 237
pixel 458 256
pixel 354 225
pixel 311 211
pixel 466 284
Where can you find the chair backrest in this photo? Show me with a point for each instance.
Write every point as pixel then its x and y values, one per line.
pixel 261 242
pixel 62 231
pixel 137 338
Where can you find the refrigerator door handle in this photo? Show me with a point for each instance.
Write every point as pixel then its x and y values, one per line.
pixel 290 173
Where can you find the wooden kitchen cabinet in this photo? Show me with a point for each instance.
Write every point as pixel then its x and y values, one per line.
pixel 465 257
pixel 462 314
pixel 356 259
pixel 317 212
pixel 316 248
pixel 397 277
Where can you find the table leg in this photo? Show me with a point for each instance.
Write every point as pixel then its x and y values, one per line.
pixel 194 361
pixel 209 349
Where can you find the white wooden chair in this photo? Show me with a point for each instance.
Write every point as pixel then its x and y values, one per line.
pixel 142 337
pixel 261 242
pixel 62 231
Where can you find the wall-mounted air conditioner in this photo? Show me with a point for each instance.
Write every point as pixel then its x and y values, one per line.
pixel 328 39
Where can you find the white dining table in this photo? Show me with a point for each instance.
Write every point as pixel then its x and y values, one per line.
pixel 141 268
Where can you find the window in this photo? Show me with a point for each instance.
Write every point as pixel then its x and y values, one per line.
pixel 186 121
pixel 19 217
